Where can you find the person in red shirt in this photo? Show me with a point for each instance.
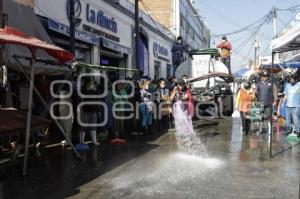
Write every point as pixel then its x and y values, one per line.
pixel 225 47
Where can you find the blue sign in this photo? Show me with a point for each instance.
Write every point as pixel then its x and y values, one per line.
pixel 77 10
pixel 115 46
pixel 98 17
pixel 159 50
pixel 80 35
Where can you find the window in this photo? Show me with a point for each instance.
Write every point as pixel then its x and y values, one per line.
pixel 168 70
pixel 157 65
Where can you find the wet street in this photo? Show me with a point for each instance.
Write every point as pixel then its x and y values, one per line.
pixel 236 166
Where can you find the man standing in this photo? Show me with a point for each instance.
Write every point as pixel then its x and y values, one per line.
pixel 267 97
pixel 225 47
pixel 178 49
pixel 292 98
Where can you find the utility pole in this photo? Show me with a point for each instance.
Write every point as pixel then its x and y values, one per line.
pixel 255 55
pixel 256 49
pixel 137 35
pixel 274 14
pixel 72 27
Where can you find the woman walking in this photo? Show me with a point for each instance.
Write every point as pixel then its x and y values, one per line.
pixel 244 101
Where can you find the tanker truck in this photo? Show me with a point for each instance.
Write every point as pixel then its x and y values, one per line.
pixel 209 80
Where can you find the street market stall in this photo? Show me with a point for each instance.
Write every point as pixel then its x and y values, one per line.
pixel 290 41
pixel 12 36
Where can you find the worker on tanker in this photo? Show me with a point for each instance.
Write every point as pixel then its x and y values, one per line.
pixel 225 47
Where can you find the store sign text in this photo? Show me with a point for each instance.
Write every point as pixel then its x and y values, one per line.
pixel 80 35
pixel 160 50
pixel 97 17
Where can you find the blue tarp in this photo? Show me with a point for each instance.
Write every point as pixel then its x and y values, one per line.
pixel 241 72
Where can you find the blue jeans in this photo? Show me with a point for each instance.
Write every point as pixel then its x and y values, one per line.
pixel 146 115
pixel 293 118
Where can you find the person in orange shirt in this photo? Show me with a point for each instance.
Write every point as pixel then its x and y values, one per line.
pixel 225 47
pixel 244 101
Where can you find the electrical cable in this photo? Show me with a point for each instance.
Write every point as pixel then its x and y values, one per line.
pixel 291 9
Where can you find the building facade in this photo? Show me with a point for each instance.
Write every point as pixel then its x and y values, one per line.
pixel 182 19
pixel 105 34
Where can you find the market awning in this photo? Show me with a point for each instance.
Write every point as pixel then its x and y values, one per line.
pixel 25 20
pixel 289 41
pixel 294 58
pixel 10 35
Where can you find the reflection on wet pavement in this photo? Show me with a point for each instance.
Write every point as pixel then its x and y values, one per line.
pixel 236 166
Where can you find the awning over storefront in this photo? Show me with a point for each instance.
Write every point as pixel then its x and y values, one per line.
pixel 10 35
pixel 289 41
pixel 24 19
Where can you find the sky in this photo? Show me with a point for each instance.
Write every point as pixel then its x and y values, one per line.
pixel 231 15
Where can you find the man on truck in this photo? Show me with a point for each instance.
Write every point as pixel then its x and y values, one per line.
pixel 225 47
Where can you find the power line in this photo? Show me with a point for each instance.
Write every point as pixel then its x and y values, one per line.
pixel 266 18
pixel 291 9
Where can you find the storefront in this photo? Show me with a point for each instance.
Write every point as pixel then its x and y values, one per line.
pixel 100 29
pixel 160 57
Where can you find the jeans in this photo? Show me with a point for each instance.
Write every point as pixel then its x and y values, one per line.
pixel 293 118
pixel 146 115
pixel 226 61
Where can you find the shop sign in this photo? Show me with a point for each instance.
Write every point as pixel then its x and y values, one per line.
pixel 98 17
pixel 65 30
pixel 92 15
pixel 160 50
pixel 115 46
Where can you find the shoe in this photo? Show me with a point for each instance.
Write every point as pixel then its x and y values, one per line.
pixel 96 143
pixel 64 143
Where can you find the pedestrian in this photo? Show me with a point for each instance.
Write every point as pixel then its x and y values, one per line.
pixel 267 96
pixel 183 109
pixel 171 83
pixel 225 47
pixel 89 112
pixel 164 104
pixel 146 107
pixel 119 106
pixel 244 101
pixel 292 99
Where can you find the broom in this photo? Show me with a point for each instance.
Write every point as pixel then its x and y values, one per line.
pixel 293 136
